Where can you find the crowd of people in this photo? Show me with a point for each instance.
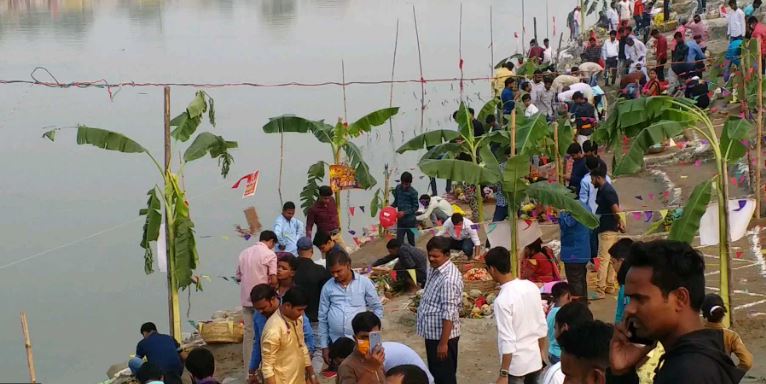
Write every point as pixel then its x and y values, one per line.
pixel 306 316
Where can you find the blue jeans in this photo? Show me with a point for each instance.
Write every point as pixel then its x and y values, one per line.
pixel 501 213
pixel 134 364
pixel 465 245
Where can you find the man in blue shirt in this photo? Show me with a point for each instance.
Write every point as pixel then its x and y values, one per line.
pixel 507 96
pixel 695 57
pixel 751 8
pixel 266 302
pixel 342 297
pixel 578 167
pixel 288 229
pixel 407 204
pixel 160 350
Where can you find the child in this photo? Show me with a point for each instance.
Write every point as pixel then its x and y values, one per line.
pixel 619 252
pixel 713 311
pixel 529 108
pixel 562 295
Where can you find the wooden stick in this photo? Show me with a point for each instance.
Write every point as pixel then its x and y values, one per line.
pixel 422 79
pixel 523 29
pixel 460 50
pixel 491 55
pixel 513 132
pixel 174 311
pixel 28 347
pixel 558 152
pixel 759 138
pixel 534 23
pixel 343 77
pixel 391 89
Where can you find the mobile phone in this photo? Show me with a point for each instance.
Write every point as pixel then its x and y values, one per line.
pixel 375 340
pixel 634 338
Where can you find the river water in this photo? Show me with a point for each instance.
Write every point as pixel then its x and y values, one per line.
pixel 69 230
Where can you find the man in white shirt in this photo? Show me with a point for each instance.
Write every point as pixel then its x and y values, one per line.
pixel 437 208
pixel 529 108
pixel 545 99
pixel 614 18
pixel 463 234
pixel 610 52
pixel 585 89
pixel 735 20
pixel 635 50
pixel 521 325
pixel 625 10
pixel 548 52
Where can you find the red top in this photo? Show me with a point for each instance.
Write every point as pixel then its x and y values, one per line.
pixel 542 272
pixel 537 51
pixel 662 48
pixel 638 8
pixel 760 32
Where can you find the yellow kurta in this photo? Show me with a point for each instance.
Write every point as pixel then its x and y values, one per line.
pixel 285 355
pixel 501 74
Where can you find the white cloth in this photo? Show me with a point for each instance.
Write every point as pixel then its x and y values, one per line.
pixel 520 324
pixel 553 375
pixel 585 89
pixel 588 69
pixel 399 354
pixel 739 218
pixel 548 55
pixel 499 233
pixel 466 232
pixel 531 110
pixel 610 49
pixel 636 53
pixel 436 202
pixel 563 81
pixel 735 21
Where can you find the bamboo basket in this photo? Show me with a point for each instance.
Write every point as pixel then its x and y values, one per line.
pixel 465 265
pixel 219 332
pixel 481 285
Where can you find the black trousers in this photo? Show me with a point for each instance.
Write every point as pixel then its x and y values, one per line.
pixel 577 277
pixel 402 233
pixel 530 378
pixel 443 371
pixel 660 69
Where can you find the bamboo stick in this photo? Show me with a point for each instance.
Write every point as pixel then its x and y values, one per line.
pixel 759 137
pixel 422 79
pixel 28 347
pixel 174 310
pixel 512 216
pixel 391 89
pixel 460 50
pixel 558 152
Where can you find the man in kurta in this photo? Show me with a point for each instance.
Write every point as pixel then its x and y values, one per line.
pixel 285 357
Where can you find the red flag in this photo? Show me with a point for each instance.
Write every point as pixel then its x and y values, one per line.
pixel 351 211
pixel 251 186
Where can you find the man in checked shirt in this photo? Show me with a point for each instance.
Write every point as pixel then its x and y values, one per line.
pixel 438 314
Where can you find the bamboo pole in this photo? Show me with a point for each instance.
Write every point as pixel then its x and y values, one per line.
pixel 422 79
pixel 558 152
pixel 174 309
pixel 523 30
pixel 534 23
pixel 391 89
pixel 460 51
pixel 28 347
pixel 759 137
pixel 512 217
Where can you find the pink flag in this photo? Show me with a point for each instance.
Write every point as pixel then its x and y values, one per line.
pixel 251 186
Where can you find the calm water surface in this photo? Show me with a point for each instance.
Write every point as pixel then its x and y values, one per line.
pixel 69 231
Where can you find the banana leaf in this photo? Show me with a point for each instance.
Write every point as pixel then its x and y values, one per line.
pixel 428 139
pixel 375 203
pixel 558 196
pixel 446 150
pixel 489 108
pixel 217 146
pixel 514 172
pixel 186 256
pixel 151 228
pixel 310 191
pixel 488 158
pixel 734 131
pixel 373 119
pixel 633 161
pixel 685 228
pixel 104 139
pixel 465 122
pixel 459 170
pixel 566 136
pixel 592 8
pixel 529 134
pixel 187 122
pixel 362 170
pixel 501 63
pixel 294 124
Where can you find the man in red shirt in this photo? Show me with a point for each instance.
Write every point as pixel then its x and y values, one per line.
pixel 536 51
pixel 324 213
pixel 661 54
pixel 638 14
pixel 758 31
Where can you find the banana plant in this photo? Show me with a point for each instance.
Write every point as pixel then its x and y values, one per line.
pixel 484 166
pixel 650 121
pixel 339 138
pixel 182 253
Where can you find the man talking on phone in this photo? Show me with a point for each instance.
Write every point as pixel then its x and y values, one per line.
pixel 365 363
pixel 666 287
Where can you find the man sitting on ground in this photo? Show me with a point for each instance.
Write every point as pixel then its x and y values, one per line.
pixel 462 235
pixel 437 209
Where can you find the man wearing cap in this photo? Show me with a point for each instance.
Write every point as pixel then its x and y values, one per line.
pixel 310 277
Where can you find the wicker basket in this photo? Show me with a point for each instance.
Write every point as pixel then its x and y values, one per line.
pixel 465 265
pixel 481 285
pixel 216 332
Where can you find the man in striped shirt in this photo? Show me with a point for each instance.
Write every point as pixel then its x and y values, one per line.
pixel 438 314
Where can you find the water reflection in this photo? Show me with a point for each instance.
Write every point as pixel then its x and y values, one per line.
pixel 144 12
pixel 278 14
pixel 68 19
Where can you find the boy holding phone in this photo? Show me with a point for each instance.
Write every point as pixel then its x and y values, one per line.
pixel 365 363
